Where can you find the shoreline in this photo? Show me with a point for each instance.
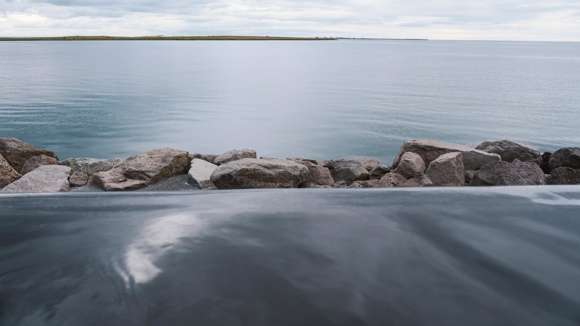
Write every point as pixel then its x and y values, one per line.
pixel 420 163
pixel 168 38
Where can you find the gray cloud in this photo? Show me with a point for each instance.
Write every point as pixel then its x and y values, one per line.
pixel 438 19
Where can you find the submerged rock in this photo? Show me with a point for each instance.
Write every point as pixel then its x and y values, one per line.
pixel 564 176
pixel 17 152
pixel 144 169
pixel 430 150
pixel 566 157
pixel 510 151
pixel 410 165
pixel 200 173
pixel 261 173
pixel 46 178
pixel 447 170
pixel 509 174
pixel 348 170
pixel 234 155
pixel 7 173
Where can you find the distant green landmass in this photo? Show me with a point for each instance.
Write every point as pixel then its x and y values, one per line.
pixel 169 38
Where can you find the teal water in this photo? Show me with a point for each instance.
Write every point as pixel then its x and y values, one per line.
pixel 315 99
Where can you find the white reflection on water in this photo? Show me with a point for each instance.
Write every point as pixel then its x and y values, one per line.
pixel 157 238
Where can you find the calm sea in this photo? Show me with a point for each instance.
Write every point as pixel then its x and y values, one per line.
pixel 314 99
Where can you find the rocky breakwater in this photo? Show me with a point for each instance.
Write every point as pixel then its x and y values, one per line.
pixel 419 163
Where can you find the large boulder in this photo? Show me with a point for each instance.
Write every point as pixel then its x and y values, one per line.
pixel 564 176
pixel 410 165
pixel 84 168
pixel 319 175
pixel 234 155
pixel 509 174
pixel 46 178
pixel 17 152
pixel 348 170
pixel 510 151
pixel 36 161
pixel 261 173
pixel 447 170
pixel 200 173
pixel 7 173
pixel 566 157
pixel 429 150
pixel 144 169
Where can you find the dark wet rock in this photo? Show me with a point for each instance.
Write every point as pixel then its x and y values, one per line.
pixel 261 173
pixel 234 155
pixel 7 173
pixel 200 173
pixel 510 151
pixel 544 162
pixel 447 170
pixel 509 173
pixel 177 183
pixel 46 178
pixel 430 150
pixel 36 161
pixel 17 152
pixel 469 175
pixel 392 179
pixel 410 165
pixel 206 157
pixel 348 170
pixel 379 171
pixel 564 176
pixel 368 163
pixel 144 169
pixel 84 168
pixel 566 157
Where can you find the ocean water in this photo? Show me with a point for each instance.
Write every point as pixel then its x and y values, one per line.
pixel 314 99
pixel 478 257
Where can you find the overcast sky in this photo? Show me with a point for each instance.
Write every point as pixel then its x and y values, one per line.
pixel 435 19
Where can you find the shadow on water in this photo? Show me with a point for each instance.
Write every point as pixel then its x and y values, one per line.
pixel 502 256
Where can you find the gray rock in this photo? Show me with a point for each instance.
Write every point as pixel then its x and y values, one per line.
pixel 46 178
pixel 347 170
pixel 206 157
pixel 84 168
pixel 564 176
pixel 509 173
pixel 200 173
pixel 420 181
pixel 320 175
pixel 234 155
pixel 17 152
pixel 261 173
pixel 429 150
pixel 447 170
pixel 36 161
pixel 368 163
pixel 510 151
pixel 375 183
pixel 392 179
pixel 544 162
pixel 566 157
pixel 410 165
pixel 7 173
pixel 143 170
pixel 469 176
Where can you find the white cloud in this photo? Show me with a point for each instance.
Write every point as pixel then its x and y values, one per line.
pixel 437 19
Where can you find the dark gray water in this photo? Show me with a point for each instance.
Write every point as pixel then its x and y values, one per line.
pixel 502 256
pixel 318 99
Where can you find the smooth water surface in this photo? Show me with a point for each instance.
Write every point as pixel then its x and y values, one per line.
pixel 315 99
pixel 501 256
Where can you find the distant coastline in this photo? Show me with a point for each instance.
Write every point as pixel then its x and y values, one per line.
pixel 194 38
